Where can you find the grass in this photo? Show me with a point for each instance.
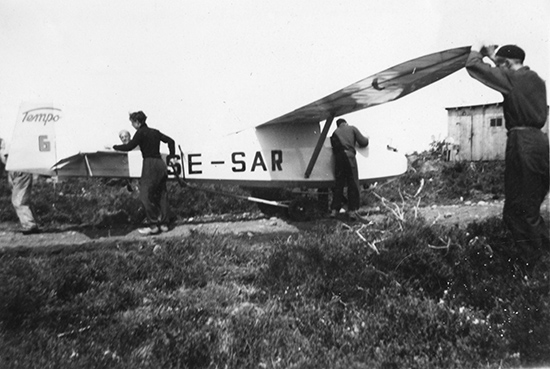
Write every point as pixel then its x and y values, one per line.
pixel 318 299
pixel 433 297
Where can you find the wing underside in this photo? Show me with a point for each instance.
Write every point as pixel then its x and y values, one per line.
pixel 382 87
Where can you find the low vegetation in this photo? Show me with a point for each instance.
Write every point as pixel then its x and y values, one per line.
pixel 106 202
pixel 403 295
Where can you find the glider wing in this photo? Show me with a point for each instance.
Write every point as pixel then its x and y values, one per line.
pixel 388 85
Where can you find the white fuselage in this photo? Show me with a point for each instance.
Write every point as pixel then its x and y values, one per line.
pixel 278 156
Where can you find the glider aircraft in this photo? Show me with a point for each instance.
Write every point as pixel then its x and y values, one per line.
pixel 291 151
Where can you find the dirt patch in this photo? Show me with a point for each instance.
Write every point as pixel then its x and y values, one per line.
pixel 10 237
pixel 468 212
pixel 461 215
pixel 450 215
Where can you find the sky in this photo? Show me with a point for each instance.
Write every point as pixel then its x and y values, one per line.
pixel 201 69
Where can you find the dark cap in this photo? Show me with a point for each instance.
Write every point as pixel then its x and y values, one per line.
pixel 340 121
pixel 511 52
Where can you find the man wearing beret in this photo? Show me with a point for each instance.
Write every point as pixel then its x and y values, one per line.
pixel 526 177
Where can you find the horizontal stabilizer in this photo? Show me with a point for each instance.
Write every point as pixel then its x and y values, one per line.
pixel 97 164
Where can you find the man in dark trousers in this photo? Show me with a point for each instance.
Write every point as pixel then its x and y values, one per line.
pixel 346 174
pixel 526 176
pixel 154 173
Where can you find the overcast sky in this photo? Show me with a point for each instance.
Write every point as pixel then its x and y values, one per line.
pixel 204 68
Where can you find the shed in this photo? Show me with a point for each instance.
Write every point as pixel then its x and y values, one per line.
pixel 477 132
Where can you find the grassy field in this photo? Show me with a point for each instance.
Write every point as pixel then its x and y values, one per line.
pixel 433 297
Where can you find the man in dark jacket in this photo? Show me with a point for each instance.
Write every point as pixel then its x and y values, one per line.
pixel 154 173
pixel 526 177
pixel 346 174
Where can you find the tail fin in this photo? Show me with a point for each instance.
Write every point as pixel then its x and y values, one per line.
pixel 33 144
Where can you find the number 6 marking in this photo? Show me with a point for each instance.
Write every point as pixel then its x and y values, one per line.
pixel 43 143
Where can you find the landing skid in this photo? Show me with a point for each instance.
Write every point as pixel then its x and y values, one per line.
pixel 275 202
pixel 298 206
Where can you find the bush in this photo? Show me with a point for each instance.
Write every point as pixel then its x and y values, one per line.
pixel 452 183
pixel 107 202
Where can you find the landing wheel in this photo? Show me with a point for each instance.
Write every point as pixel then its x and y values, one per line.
pixel 301 209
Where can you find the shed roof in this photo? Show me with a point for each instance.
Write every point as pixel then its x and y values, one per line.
pixel 497 104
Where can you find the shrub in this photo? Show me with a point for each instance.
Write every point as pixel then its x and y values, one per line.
pixel 107 202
